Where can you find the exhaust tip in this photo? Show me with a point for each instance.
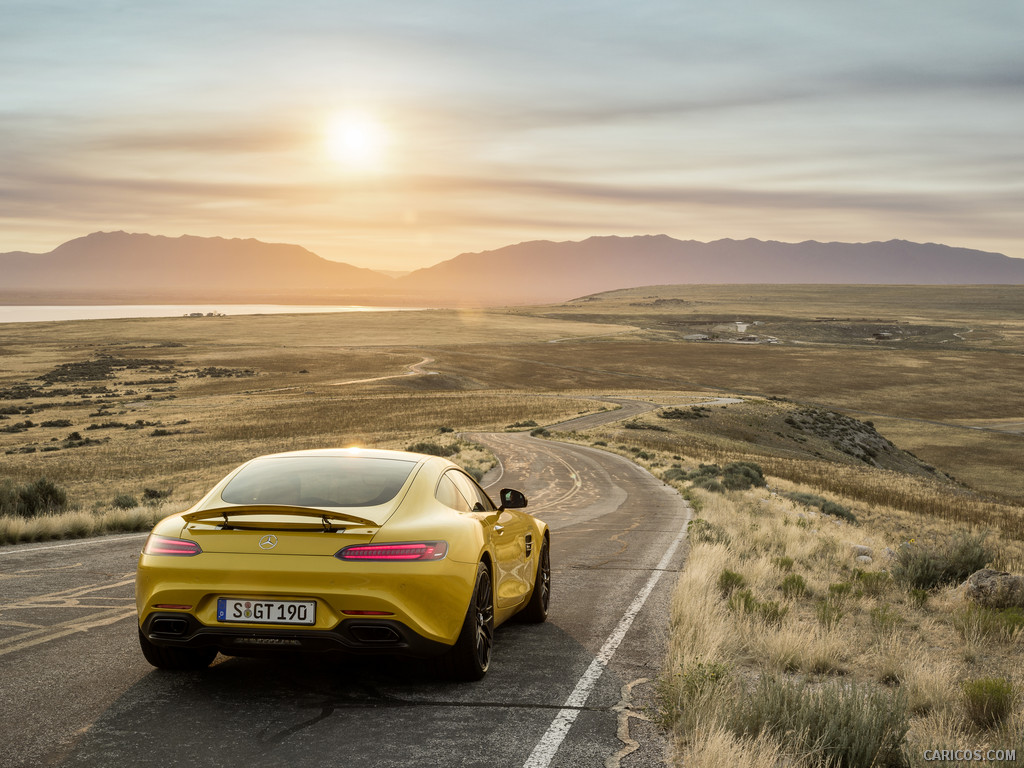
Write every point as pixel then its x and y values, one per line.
pixel 169 626
pixel 375 635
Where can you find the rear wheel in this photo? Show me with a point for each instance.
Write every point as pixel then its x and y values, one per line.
pixel 536 610
pixel 470 657
pixel 176 659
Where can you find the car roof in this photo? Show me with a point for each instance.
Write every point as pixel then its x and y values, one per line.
pixel 353 451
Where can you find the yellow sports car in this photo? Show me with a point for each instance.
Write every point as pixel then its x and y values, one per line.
pixel 363 551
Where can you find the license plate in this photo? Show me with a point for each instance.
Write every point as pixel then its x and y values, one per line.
pixel 266 611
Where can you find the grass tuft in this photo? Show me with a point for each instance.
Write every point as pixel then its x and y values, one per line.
pixel 988 701
pixel 842 724
pixel 920 565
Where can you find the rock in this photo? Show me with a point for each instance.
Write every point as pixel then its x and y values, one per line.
pixel 995 589
pixel 865 559
pixel 860 549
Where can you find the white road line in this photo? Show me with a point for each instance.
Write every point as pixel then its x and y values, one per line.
pixel 501 473
pixel 95 540
pixel 549 743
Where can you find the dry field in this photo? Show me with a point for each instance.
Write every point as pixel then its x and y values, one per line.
pixel 181 400
pixel 104 408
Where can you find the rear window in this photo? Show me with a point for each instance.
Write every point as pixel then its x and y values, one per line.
pixel 318 481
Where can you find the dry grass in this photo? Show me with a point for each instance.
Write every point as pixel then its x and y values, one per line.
pixel 881 638
pixel 78 524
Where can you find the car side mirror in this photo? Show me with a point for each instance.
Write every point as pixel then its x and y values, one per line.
pixel 511 499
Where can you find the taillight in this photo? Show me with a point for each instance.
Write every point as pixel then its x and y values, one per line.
pixel 417 550
pixel 165 545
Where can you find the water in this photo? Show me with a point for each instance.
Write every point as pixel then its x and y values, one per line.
pixel 37 314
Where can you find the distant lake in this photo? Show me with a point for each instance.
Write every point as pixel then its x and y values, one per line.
pixel 38 314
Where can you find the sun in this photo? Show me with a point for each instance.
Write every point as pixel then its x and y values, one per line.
pixel 357 141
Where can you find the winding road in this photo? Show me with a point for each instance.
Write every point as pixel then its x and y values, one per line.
pixel 571 692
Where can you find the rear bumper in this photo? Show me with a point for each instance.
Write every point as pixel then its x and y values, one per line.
pixel 355 636
pixel 428 600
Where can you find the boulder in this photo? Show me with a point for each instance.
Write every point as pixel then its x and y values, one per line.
pixel 864 559
pixel 995 589
pixel 860 549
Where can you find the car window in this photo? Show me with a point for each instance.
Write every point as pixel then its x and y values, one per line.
pixel 318 481
pixel 451 496
pixel 471 491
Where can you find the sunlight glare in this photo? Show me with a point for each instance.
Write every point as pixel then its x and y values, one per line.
pixel 357 141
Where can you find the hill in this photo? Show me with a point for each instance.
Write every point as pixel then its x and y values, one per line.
pixel 118 266
pixel 549 271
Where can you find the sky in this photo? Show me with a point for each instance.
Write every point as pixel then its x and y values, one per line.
pixel 399 133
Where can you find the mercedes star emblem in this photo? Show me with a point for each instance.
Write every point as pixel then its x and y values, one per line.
pixel 268 542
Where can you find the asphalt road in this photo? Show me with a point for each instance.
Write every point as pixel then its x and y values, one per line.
pixel 75 690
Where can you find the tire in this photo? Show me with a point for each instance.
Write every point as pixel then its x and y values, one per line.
pixel 176 659
pixel 470 657
pixel 536 610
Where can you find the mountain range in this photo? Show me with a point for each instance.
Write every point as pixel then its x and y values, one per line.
pixel 115 267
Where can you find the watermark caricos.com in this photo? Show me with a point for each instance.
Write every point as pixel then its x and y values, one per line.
pixel 972 755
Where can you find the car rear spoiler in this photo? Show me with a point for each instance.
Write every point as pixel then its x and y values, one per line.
pixel 326 516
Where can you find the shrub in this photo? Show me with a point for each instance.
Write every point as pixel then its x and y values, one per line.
pixel 926 566
pixel 848 725
pixel 539 432
pixel 687 695
pixel 885 618
pixel 988 700
pixel 641 425
pixel 709 484
pixel 700 678
pixel 825 506
pixel 125 501
pixel 433 449
pixel 705 470
pixel 839 591
pixel 793 585
pixel 700 530
pixel 522 424
pixel 783 563
pixel 771 612
pixel 8 498
pixel 978 622
pixel 695 412
pixel 40 497
pixel 829 613
pixel 742 601
pixel 874 583
pixel 152 494
pixel 445 430
pixel 742 475
pixel 730 581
